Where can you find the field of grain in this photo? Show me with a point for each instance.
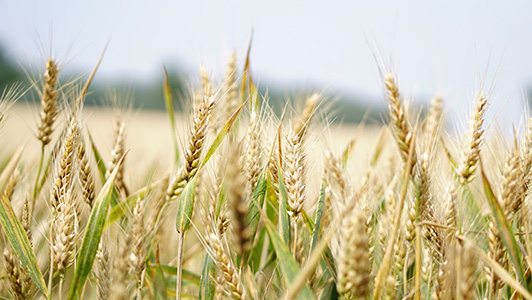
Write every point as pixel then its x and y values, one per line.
pixel 228 200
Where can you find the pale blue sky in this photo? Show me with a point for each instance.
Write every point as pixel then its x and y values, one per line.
pixel 443 46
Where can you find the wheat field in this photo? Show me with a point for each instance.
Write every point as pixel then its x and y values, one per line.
pixel 229 201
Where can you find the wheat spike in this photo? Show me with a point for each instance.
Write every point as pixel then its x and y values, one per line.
pixel 387 217
pixel 237 202
pixel 11 185
pixel 206 83
pixel 302 123
pixel 63 229
pixel 85 175
pixel 353 259
pixel 253 157
pixel 25 220
pixel 433 122
pixel 194 150
pixel 273 170
pixel 497 253
pixel 468 162
pixel 231 278
pixel 401 128
pixel 228 101
pixel 512 195
pixel 49 96
pixel 9 95
pixel 65 164
pixel 63 233
pixel 468 278
pixel 526 154
pixel 17 276
pixel 137 258
pixel 116 154
pixel 103 271
pixel 294 175
pixel 120 270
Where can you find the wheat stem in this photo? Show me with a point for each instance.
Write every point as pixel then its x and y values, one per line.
pixel 179 263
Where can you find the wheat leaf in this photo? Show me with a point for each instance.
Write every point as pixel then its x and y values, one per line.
pixel 287 263
pixel 93 233
pixel 185 206
pixel 21 245
pixel 207 285
pixel 221 135
pixel 505 230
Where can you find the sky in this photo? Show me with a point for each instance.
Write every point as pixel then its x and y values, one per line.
pixel 450 47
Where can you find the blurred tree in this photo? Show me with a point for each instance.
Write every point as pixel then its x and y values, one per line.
pixel 9 71
pixel 147 94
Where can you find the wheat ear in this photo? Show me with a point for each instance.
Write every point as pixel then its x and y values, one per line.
pixel 49 96
pixel 433 122
pixel 467 285
pixel 497 253
pixel 294 176
pixel 17 277
pixel 120 270
pixel 21 284
pixel 11 185
pixel 64 165
pixel 194 150
pixel 526 154
pixel 116 154
pixel 468 162
pixel 228 101
pixel 353 258
pixel 64 225
pixel 63 234
pixel 510 202
pixel 253 157
pixel 103 271
pixel 137 258
pixel 231 278
pixel 512 195
pixel 9 96
pixel 302 123
pixel 401 128
pixel 238 205
pixel 86 178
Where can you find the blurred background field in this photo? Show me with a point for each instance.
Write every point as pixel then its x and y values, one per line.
pixel 338 47
pixel 149 138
